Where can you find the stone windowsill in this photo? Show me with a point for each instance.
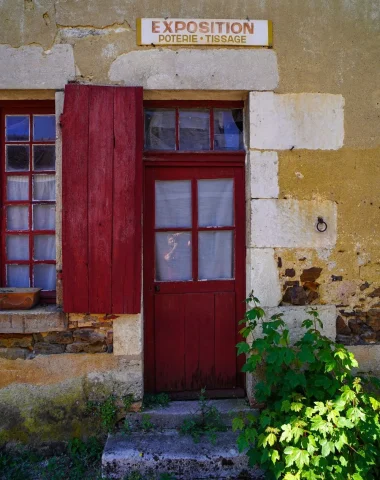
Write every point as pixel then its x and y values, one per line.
pixel 49 318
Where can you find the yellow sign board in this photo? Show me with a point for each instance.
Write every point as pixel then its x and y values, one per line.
pixel 213 32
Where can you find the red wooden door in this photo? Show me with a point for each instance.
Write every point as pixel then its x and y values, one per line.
pixel 193 277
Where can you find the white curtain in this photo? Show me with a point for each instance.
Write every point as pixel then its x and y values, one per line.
pixel 43 217
pixel 18 276
pixel 43 187
pixel 17 247
pixel 173 204
pixel 44 276
pixel 160 129
pixel 173 256
pixel 18 217
pixel 44 247
pixel 215 260
pixel 215 203
pixel 17 187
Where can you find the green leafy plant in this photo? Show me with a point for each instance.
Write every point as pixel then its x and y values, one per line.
pixel 317 420
pixel 127 402
pixel 146 424
pixel 156 400
pixel 106 411
pixel 208 421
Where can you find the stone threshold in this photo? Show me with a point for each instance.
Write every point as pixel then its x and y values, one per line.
pixel 47 318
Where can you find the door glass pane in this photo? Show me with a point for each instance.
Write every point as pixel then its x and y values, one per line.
pixel 17 128
pixel 43 128
pixel 17 187
pixel 215 255
pixel 44 247
pixel 17 247
pixel 173 204
pixel 17 158
pixel 216 203
pixel 44 276
pixel 160 129
pixel 18 218
pixel 44 157
pixel 43 187
pixel 228 129
pixel 194 130
pixel 18 276
pixel 43 217
pixel 173 256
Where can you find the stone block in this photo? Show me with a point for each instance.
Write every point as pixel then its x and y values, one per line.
pixel 263 167
pixel 303 120
pixel 89 336
pixel 197 69
pixel 62 338
pixel 33 68
pixel 39 319
pixel 293 316
pixel 368 357
pixel 127 335
pixel 86 348
pixel 14 353
pixel 292 223
pixel 42 348
pixel 262 276
pixel 14 340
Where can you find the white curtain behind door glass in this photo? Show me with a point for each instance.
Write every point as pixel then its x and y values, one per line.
pixel 17 247
pixel 18 217
pixel 215 261
pixel 17 187
pixel 215 203
pixel 173 204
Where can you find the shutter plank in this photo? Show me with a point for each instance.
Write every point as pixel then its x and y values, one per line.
pixel 74 199
pixel 100 174
pixel 127 208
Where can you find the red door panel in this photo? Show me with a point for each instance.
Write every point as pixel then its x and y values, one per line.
pixel 194 257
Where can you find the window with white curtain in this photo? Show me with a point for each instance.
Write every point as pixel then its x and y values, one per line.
pixel 28 199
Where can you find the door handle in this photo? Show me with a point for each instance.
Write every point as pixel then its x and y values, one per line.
pixel 157 288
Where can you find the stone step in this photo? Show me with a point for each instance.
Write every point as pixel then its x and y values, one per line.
pixel 175 413
pixel 168 452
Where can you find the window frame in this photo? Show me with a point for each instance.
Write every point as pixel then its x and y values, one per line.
pixel 192 157
pixel 21 107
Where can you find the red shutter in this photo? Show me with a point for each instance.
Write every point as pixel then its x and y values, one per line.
pixel 102 131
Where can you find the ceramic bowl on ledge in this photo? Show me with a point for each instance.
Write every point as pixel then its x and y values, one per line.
pixel 19 298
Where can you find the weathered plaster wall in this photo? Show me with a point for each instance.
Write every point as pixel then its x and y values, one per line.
pixel 325 47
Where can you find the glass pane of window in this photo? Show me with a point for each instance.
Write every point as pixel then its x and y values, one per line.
pixel 216 203
pixel 228 129
pixel 173 256
pixel 43 187
pixel 17 158
pixel 43 217
pixel 44 276
pixel 194 130
pixel 216 257
pixel 17 247
pixel 44 157
pixel 173 204
pixel 44 247
pixel 43 128
pixel 16 128
pixel 17 187
pixel 18 276
pixel 160 129
pixel 18 217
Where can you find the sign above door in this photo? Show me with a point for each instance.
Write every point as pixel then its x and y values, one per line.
pixel 204 32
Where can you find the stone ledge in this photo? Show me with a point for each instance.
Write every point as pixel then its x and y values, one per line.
pixel 49 318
